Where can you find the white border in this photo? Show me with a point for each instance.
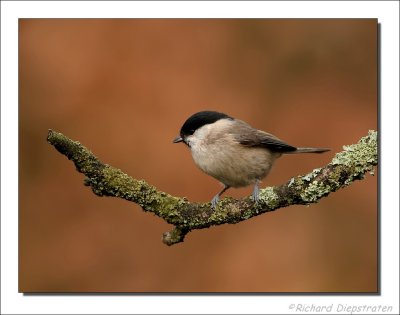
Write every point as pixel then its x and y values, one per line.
pixel 15 303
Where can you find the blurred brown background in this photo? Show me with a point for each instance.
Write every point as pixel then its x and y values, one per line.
pixel 123 88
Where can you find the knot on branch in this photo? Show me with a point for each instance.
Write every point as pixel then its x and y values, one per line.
pixel 176 235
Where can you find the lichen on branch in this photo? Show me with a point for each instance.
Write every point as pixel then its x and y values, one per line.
pixel 349 165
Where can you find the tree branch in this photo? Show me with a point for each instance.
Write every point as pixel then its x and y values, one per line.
pixel 105 180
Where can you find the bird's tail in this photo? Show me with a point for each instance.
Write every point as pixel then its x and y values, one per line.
pixel 309 150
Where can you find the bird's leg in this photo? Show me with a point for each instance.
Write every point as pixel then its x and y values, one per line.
pixel 215 200
pixel 256 192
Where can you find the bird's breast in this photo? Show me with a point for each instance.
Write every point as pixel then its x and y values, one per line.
pixel 230 162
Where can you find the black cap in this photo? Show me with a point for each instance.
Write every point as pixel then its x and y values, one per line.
pixel 200 119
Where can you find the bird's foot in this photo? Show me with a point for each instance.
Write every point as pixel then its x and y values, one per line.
pixel 256 192
pixel 215 201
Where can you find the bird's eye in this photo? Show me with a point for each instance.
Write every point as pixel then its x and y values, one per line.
pixel 191 131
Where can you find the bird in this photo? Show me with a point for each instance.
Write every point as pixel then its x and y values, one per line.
pixel 232 151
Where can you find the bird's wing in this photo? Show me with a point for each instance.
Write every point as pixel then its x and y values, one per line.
pixel 250 137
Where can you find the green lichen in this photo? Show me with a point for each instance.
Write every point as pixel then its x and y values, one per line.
pixel 247 214
pixel 360 157
pixel 269 197
pixel 116 183
pixel 310 176
pixel 356 159
pixel 315 191
pixel 365 152
pixel 220 213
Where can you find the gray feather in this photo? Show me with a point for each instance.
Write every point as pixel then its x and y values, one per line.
pixel 250 137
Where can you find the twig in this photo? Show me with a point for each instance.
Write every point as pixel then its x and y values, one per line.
pixel 349 165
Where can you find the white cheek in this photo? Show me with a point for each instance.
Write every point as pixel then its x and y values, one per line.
pixel 195 140
pixel 191 141
pixel 202 133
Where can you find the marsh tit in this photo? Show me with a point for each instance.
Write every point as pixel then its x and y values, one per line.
pixel 232 151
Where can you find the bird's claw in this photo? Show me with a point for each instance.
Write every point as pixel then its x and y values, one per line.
pixel 215 201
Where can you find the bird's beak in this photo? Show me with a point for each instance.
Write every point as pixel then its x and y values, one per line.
pixel 177 139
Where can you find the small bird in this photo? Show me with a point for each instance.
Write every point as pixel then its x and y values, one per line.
pixel 232 151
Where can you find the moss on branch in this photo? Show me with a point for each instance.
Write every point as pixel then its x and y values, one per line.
pixel 349 165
